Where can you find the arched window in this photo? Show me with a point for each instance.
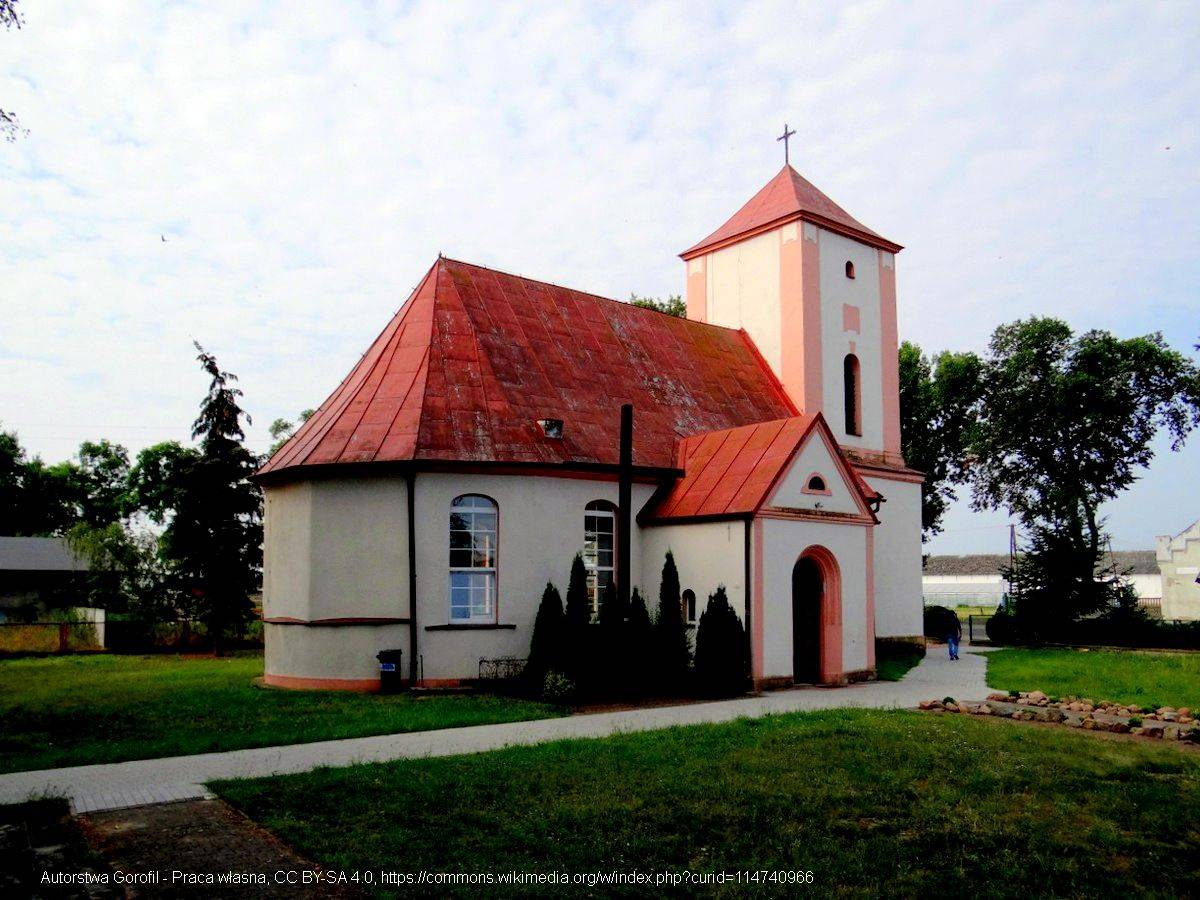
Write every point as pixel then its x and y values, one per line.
pixel 473 528
pixel 689 605
pixel 852 391
pixel 849 269
pixel 599 548
pixel 816 484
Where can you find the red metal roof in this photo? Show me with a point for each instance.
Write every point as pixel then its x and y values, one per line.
pixel 789 196
pixel 475 357
pixel 733 472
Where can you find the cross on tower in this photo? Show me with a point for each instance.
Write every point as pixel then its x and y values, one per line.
pixel 784 137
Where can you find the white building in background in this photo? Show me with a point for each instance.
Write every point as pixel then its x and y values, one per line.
pixel 1178 559
pixel 975 580
pixel 477 446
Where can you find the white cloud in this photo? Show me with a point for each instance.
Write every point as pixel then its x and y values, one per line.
pixel 306 162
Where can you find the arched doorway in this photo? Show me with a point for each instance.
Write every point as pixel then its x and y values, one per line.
pixel 807 591
pixel 816 618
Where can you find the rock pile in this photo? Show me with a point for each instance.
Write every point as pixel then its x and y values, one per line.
pixel 1166 723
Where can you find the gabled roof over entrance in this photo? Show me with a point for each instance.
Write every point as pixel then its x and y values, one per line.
pixel 735 472
pixel 475 358
pixel 785 198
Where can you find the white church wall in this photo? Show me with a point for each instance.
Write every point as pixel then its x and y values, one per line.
pixel 898 587
pixel 861 292
pixel 814 457
pixel 783 542
pixel 334 549
pixel 287 550
pixel 539 532
pixel 359 548
pixel 744 289
pixel 342 656
pixel 706 554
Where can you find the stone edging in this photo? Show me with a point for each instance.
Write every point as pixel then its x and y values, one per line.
pixel 1165 723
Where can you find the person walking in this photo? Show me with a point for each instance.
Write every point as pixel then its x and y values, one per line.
pixel 953 638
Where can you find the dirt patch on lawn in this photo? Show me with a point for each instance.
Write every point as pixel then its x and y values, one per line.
pixel 203 848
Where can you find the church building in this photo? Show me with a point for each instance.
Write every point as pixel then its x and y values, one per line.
pixel 479 444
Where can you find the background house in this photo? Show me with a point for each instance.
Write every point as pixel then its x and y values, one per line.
pixel 1178 559
pixel 975 580
pixel 36 573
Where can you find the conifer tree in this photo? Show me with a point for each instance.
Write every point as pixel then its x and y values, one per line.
pixel 579 608
pixel 722 649
pixel 546 645
pixel 214 540
pixel 577 637
pixel 640 644
pixel 672 650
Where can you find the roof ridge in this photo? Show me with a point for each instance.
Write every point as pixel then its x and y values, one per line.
pixel 563 287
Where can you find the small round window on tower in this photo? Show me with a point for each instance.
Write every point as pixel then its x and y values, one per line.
pixel 849 269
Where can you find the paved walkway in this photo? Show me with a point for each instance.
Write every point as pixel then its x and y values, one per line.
pixel 139 782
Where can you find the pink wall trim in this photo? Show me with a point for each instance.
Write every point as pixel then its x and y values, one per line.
pixel 756 598
pixel 791 312
pixel 889 340
pixel 831 612
pixel 697 290
pixel 296 683
pixel 814 392
pixel 851 319
pixel 870 596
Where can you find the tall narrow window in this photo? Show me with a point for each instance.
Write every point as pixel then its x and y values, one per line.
pixel 853 395
pixel 599 548
pixel 849 269
pixel 689 606
pixel 473 521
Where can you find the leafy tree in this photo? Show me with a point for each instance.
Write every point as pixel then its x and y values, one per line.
pixel 159 479
pixel 722 648
pixel 577 644
pixel 126 573
pixel 546 645
pixel 674 305
pixel 282 430
pixel 35 499
pixel 1065 424
pixel 214 540
pixel 672 651
pixel 938 400
pixel 10 17
pixel 1056 580
pixel 101 481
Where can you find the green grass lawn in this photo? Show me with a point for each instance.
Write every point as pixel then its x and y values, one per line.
pixel 871 802
pixel 73 710
pixel 892 661
pixel 1124 676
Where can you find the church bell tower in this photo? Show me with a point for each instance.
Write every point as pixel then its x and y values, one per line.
pixel 815 289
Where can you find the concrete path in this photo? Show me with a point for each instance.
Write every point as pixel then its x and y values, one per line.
pixel 136 783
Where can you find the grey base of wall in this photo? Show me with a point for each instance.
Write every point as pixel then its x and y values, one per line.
pixel 784 683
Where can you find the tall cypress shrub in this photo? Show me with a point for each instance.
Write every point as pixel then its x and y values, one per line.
pixel 609 661
pixel 577 637
pixel 639 642
pixel 546 645
pixel 722 649
pixel 672 651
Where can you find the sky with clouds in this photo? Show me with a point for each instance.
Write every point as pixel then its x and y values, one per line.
pixel 272 179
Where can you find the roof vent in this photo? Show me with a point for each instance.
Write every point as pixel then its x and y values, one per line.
pixel 552 428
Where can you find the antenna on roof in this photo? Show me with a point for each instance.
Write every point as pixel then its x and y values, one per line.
pixel 784 137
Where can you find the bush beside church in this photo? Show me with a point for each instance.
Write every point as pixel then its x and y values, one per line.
pixel 625 653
